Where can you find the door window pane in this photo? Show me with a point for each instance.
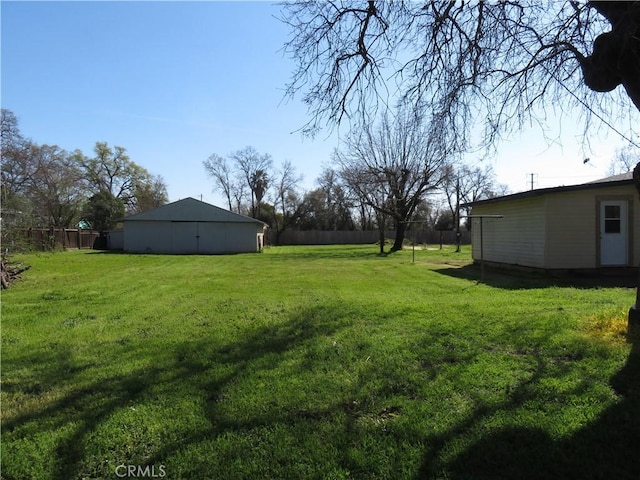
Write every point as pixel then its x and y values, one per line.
pixel 611 211
pixel 612 226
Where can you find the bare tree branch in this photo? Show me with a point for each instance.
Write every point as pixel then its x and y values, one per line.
pixel 393 166
pixel 503 63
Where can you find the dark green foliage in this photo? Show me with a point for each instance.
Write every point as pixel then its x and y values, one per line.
pixel 103 211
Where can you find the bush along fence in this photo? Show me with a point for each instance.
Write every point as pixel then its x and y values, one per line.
pixel 346 237
pixel 45 239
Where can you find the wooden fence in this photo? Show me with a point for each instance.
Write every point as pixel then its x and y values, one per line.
pixel 44 239
pixel 350 237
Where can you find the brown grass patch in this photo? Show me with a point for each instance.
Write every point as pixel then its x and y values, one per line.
pixel 609 325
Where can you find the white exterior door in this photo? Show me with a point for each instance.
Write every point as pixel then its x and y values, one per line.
pixel 614 232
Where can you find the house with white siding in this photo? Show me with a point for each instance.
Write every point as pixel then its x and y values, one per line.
pixel 190 226
pixel 589 226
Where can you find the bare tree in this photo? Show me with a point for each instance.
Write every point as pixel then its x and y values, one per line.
pixel 286 201
pixel 337 202
pixel 625 160
pixel 365 217
pixel 501 62
pixel 218 169
pixel 465 184
pixel 393 166
pixel 16 165
pixel 254 168
pixel 57 187
pixel 41 184
pixel 239 192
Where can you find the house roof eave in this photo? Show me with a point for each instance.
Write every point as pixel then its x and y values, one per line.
pixel 604 183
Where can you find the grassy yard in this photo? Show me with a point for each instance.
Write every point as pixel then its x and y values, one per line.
pixel 313 363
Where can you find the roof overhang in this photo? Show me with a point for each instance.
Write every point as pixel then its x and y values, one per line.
pixel 545 191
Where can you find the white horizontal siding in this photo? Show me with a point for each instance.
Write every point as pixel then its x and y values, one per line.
pixel 572 230
pixel 558 230
pixel 518 238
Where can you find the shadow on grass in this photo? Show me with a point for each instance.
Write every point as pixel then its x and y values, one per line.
pixel 78 411
pixel 84 406
pixel 517 280
pixel 603 449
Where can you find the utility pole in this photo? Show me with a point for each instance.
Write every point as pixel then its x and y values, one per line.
pixel 531 175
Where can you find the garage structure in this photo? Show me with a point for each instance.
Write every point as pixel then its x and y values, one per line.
pixel 577 227
pixel 190 226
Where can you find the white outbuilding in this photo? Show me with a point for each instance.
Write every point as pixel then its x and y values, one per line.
pixel 577 227
pixel 190 226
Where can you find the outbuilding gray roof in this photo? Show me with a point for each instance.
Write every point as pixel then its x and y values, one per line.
pixel 190 210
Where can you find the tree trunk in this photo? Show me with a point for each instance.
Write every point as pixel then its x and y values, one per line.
pixel 382 226
pixel 401 228
pixel 456 217
pixel 381 232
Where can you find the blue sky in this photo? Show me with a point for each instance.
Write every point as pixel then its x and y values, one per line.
pixel 174 82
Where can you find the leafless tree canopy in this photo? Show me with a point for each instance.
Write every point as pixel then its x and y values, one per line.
pixel 503 62
pixel 285 197
pixel 243 170
pixel 625 160
pixel 219 170
pixel 254 168
pixel 393 166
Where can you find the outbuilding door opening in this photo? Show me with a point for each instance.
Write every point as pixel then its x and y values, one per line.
pixel 614 233
pixel 185 237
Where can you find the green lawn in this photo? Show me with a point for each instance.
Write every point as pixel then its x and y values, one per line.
pixel 313 362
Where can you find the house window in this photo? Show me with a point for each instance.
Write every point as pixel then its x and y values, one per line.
pixel 612 221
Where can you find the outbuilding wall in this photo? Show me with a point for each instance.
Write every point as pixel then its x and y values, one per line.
pixel 518 238
pixel 635 229
pixel 115 239
pixel 573 226
pixel 147 237
pixel 191 237
pixel 557 230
